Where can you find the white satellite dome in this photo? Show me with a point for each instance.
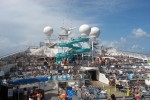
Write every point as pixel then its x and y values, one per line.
pixel 85 30
pixel 95 32
pixel 48 31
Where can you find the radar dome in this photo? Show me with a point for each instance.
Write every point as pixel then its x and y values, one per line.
pixel 95 32
pixel 85 30
pixel 48 31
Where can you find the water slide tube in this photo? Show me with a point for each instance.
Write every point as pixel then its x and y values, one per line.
pixel 77 50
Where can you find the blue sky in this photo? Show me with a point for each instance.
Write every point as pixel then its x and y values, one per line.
pixel 124 24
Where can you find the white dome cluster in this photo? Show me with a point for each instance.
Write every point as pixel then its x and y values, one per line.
pixel 48 31
pixel 95 32
pixel 85 30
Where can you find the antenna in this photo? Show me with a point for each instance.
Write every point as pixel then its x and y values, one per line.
pixel 67 31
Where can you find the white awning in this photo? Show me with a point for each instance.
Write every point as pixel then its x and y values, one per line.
pixel 89 68
pixel 147 82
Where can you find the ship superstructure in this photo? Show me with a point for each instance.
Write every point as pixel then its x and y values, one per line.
pixel 67 47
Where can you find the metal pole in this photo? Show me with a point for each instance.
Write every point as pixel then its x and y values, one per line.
pixel 82 58
pixel 18 91
pixel 92 52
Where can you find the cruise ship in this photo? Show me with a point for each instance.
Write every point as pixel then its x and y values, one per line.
pixel 69 61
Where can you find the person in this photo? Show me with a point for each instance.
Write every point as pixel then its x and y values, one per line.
pixel 137 96
pixel 108 98
pixel 123 98
pixel 25 94
pixel 38 95
pixel 142 97
pixel 79 94
pixel 30 97
pixel 76 87
pixel 112 97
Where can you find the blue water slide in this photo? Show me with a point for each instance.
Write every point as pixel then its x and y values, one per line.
pixel 69 45
pixel 77 50
pixel 69 54
pixel 65 55
pixel 82 50
pixel 80 40
pixel 64 44
pixel 77 40
pixel 62 55
pixel 74 40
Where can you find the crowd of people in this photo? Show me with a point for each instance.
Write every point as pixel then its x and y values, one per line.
pixel 115 67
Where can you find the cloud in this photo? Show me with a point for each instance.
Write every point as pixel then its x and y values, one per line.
pixel 124 44
pixel 140 33
pixel 130 43
pixel 104 6
pixel 109 43
pixel 120 44
pixel 22 22
pixel 135 46
pixel 123 40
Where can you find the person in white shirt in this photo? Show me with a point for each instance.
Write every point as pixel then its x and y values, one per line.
pixel 30 98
